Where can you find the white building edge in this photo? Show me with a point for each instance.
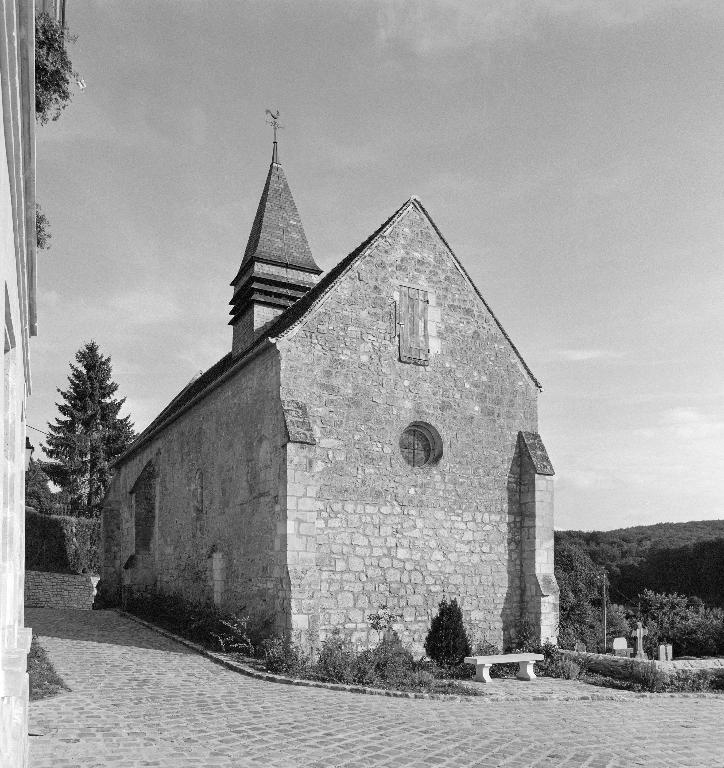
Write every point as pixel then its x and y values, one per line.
pixel 17 269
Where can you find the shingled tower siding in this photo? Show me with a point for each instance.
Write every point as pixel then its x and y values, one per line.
pixel 366 529
pixel 277 268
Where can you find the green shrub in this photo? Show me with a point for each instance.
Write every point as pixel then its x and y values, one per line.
pixel 389 664
pixel 692 680
pixel 555 664
pixel 447 642
pixel 284 657
pixel 649 677
pixel 392 661
pixel 202 623
pixel 61 544
pixel 337 659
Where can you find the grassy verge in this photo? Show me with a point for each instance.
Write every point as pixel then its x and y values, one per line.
pixel 44 680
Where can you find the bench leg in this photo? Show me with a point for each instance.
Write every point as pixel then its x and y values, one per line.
pixel 525 670
pixel 482 673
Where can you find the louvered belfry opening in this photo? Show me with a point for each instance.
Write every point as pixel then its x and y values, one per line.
pixel 278 267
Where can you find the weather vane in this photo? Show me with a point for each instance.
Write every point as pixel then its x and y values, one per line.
pixel 273 120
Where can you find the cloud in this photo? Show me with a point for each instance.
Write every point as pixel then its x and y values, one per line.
pixel 690 424
pixel 680 454
pixel 434 27
pixel 144 306
pixel 581 355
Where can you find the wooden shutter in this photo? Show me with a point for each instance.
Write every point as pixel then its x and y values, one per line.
pixel 414 346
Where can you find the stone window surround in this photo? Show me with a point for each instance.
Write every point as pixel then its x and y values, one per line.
pixel 435 440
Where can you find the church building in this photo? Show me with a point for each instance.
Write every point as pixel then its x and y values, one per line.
pixel 370 440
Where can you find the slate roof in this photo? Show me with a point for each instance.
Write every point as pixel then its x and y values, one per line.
pixel 277 235
pixel 290 318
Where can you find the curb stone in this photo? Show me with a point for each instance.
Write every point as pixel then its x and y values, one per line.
pixel 244 669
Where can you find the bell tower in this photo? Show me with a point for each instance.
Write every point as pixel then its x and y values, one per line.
pixel 278 267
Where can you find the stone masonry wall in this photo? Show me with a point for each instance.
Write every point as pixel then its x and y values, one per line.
pixel 221 478
pixel 540 589
pixel 365 529
pixel 59 590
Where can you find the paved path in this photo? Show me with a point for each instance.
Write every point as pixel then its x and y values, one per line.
pixel 139 699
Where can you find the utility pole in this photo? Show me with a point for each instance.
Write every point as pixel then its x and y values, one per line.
pixel 605 633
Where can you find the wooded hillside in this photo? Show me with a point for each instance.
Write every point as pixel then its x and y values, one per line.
pixel 687 558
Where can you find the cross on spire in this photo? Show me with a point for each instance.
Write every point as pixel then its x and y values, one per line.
pixel 273 120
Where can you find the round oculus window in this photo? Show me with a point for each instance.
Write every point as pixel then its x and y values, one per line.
pixel 420 445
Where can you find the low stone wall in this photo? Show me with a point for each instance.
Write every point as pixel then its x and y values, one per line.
pixel 622 667
pixel 613 666
pixel 59 590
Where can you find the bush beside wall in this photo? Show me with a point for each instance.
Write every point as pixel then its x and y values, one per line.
pixel 61 544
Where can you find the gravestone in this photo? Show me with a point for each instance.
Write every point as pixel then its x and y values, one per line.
pixel 580 648
pixel 639 635
pixel 620 647
pixel 666 652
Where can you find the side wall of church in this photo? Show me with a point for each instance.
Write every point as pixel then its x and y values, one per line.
pixel 213 493
pixel 368 530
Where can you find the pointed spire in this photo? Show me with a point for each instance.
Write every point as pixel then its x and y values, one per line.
pixel 278 267
pixel 277 235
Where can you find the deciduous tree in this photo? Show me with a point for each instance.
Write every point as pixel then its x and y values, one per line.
pixel 53 68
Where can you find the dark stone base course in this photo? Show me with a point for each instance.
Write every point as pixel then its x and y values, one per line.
pixel 243 669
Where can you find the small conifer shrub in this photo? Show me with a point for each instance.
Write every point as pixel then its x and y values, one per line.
pixel 447 642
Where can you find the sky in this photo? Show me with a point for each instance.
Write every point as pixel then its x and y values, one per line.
pixel 571 152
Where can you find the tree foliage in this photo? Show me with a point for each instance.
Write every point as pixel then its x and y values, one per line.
pixel 685 621
pixel 88 434
pixel 42 229
pixel 686 558
pixel 693 628
pixel 53 68
pixel 447 642
pixel 37 493
pixel 581 593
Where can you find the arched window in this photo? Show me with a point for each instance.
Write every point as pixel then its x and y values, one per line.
pixel 199 494
pixel 143 499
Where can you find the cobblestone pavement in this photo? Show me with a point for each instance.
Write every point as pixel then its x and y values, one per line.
pixel 139 699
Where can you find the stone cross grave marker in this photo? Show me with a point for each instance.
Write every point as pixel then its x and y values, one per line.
pixel 639 635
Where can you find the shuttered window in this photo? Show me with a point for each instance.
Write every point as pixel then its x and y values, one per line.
pixel 414 346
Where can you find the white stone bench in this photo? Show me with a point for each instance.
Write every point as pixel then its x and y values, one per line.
pixel 525 664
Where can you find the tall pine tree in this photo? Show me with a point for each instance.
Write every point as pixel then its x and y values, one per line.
pixel 88 434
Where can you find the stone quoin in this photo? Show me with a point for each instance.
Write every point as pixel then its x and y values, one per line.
pixel 371 439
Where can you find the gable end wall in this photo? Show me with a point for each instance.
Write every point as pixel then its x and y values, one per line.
pixel 371 530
